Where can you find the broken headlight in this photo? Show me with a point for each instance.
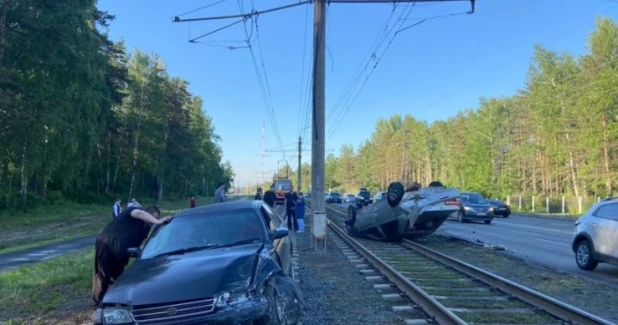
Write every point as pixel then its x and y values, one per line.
pixel 227 298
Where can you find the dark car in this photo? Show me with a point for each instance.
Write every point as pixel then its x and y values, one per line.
pixel 334 197
pixel 500 208
pixel 227 263
pixel 363 198
pixel 474 207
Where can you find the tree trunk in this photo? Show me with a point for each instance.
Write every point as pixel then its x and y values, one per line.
pixel 115 174
pixel 5 9
pixel 606 160
pixel 23 175
pixel 109 162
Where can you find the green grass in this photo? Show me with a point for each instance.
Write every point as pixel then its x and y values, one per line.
pixel 57 223
pixel 44 287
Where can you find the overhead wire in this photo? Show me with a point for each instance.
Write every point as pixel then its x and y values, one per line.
pixel 263 88
pixel 379 58
pixel 301 114
pixel 345 96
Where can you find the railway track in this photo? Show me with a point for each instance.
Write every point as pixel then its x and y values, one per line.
pixel 450 291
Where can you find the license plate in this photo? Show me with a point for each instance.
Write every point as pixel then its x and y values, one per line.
pixel 501 209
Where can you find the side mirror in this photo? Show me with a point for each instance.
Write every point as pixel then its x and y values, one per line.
pixel 134 251
pixel 280 233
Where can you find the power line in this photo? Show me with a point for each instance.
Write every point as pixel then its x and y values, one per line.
pixel 244 15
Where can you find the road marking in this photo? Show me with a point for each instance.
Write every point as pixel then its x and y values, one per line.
pixel 538 228
pixel 553 242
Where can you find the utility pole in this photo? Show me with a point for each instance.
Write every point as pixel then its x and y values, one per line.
pixel 299 171
pixel 319 102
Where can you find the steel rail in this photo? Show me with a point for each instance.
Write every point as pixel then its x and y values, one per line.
pixel 556 308
pixel 550 305
pixel 430 305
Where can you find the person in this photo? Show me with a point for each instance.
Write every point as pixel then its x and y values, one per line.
pixel 193 202
pixel 220 193
pixel 111 255
pixel 258 195
pixel 290 205
pixel 116 209
pixel 300 212
pixel 133 203
pixel 270 197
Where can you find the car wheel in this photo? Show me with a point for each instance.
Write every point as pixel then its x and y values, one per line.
pixel 351 219
pixel 583 256
pixel 506 215
pixel 276 310
pixel 487 222
pixel 394 194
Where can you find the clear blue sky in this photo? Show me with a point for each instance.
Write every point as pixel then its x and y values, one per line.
pixel 430 71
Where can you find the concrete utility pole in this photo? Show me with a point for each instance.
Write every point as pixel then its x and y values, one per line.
pixel 299 172
pixel 319 111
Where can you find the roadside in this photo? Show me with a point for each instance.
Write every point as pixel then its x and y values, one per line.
pixel 58 224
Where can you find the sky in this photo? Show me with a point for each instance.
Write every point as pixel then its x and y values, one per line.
pixel 431 71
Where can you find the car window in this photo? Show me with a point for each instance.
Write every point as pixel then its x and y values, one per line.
pixel 212 228
pixel 609 211
pixel 473 198
pixel 282 185
pixel 275 221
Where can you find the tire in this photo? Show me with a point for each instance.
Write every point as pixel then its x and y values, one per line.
pixel 350 219
pixel 394 194
pixel 583 256
pixel 487 222
pixel 280 313
pixel 276 309
pixel 507 215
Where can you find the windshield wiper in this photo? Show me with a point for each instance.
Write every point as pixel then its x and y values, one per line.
pixel 239 242
pixel 187 250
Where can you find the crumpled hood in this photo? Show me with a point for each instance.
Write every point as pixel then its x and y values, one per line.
pixel 194 275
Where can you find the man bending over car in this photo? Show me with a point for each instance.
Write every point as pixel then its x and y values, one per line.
pixel 127 230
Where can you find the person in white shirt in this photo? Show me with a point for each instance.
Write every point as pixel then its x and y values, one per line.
pixel 116 208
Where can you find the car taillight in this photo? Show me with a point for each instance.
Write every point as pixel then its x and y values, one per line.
pixel 451 202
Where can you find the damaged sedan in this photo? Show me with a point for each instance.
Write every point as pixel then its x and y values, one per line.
pixel 403 213
pixel 227 263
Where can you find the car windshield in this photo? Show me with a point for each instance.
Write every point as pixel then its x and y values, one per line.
pixel 364 194
pixel 334 194
pixel 204 231
pixel 282 185
pixel 473 198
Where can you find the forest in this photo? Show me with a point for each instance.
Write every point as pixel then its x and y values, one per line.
pixel 83 119
pixel 557 136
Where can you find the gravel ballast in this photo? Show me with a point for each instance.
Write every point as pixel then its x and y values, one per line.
pixel 334 291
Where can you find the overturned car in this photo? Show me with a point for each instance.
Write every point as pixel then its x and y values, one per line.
pixel 227 263
pixel 404 213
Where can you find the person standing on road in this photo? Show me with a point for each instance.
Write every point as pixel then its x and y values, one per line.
pixel 290 206
pixel 116 209
pixel 259 195
pixel 128 230
pixel 300 212
pixel 270 197
pixel 220 193
pixel 193 202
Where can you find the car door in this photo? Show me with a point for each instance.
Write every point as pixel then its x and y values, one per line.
pixel 282 247
pixel 604 230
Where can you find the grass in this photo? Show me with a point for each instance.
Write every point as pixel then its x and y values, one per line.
pixel 44 287
pixel 57 223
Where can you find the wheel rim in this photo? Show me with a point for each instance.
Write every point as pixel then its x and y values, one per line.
pixel 583 254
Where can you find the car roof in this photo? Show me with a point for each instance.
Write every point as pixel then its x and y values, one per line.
pixel 223 206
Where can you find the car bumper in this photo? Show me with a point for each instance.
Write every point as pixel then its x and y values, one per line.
pixel 502 212
pixel 481 217
pixel 246 312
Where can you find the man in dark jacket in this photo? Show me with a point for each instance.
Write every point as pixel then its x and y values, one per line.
pixel 259 195
pixel 128 230
pixel 270 197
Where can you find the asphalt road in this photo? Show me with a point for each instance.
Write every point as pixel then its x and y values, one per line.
pixel 539 240
pixel 16 259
